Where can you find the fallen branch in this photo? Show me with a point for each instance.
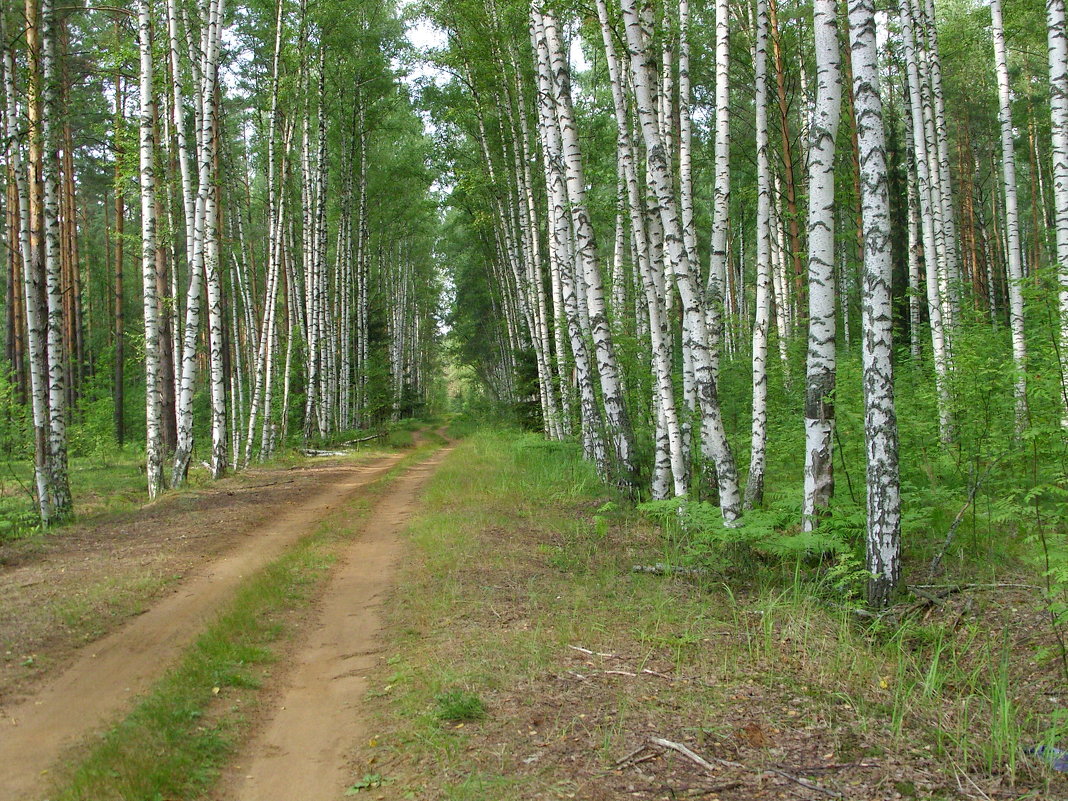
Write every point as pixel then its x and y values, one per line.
pixel 963 587
pixel 362 439
pixel 261 486
pixel 806 783
pixel 937 560
pixel 692 756
pixel 312 452
pixel 704 763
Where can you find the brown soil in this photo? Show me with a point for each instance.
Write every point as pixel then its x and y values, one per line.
pixel 302 745
pixel 53 692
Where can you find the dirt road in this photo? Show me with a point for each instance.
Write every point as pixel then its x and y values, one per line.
pixel 301 750
pixel 106 675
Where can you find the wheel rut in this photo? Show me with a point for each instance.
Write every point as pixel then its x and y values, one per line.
pixel 302 747
pixel 107 675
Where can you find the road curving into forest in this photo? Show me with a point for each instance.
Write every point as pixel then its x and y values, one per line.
pixel 106 677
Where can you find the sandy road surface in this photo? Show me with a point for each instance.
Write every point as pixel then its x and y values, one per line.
pixel 106 675
pixel 301 751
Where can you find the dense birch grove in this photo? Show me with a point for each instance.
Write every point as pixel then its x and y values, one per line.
pixel 275 203
pixel 706 228
pixel 791 266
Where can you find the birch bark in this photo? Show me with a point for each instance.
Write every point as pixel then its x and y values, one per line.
pixel 754 488
pixel 35 333
pixel 1057 45
pixel 618 428
pixel 880 420
pixel 695 330
pixel 62 504
pixel 153 440
pixel 821 363
pixel 1014 263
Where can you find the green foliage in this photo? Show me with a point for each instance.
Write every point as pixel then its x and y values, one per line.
pixel 763 534
pixel 459 705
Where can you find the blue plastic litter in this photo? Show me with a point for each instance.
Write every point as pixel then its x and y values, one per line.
pixel 1056 758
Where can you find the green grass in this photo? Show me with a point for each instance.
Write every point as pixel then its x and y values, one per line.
pixel 459 705
pixel 522 553
pixel 172 745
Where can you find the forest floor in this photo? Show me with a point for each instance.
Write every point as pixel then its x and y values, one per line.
pixel 524 659
pixel 471 628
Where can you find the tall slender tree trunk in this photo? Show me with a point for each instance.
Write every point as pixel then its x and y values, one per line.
pixel 754 487
pixel 118 292
pixel 1057 42
pixel 792 216
pixel 695 330
pixel 618 428
pixel 149 273
pixel 35 334
pixel 820 370
pixel 1012 217
pixel 880 419
pixel 928 218
pixel 57 368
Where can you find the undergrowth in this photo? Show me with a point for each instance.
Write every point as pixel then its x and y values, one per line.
pixel 523 554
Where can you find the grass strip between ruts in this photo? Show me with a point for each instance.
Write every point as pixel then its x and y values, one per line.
pixel 175 740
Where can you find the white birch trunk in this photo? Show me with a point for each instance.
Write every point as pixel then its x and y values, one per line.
pixel 942 149
pixel 928 215
pixel 754 488
pixel 716 299
pixel 669 459
pixel 617 422
pixel 561 253
pixel 1014 261
pixel 62 504
pixel 695 331
pixel 153 440
pixel 821 364
pixel 880 420
pixel 1057 43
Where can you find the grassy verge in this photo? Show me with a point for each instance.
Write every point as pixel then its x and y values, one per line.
pixel 173 743
pixel 529 661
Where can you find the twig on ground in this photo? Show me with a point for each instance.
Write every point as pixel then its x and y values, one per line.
pixel 704 763
pixel 261 486
pixel 932 599
pixel 627 758
pixel 620 673
pixel 963 587
pixel 691 755
pixel 591 653
pixel 839 766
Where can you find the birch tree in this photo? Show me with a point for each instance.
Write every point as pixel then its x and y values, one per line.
pixel 754 488
pixel 1057 42
pixel 695 330
pixel 821 364
pixel 883 541
pixel 62 503
pixel 1014 261
pixel 153 443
